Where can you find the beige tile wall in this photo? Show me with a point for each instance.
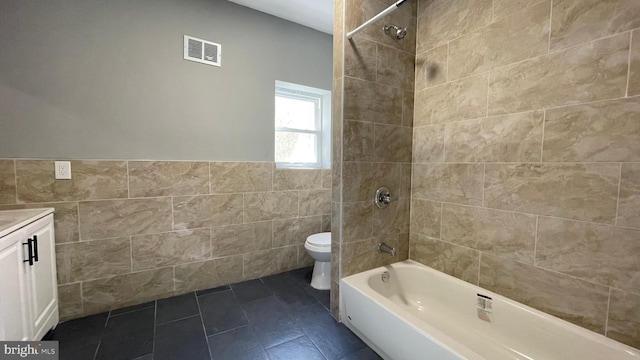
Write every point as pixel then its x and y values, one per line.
pixel 372 136
pixel 133 231
pixel 526 154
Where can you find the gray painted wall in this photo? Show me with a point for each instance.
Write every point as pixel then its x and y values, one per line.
pixel 106 79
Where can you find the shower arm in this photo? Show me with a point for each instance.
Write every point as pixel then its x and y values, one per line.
pixel 383 13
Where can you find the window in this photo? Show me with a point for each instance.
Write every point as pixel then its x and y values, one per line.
pixel 302 126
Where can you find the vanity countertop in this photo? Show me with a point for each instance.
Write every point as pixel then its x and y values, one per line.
pixel 12 220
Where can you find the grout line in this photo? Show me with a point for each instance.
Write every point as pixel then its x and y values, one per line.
pixel 484 175
pixel 376 66
pixel 606 320
pixel 444 143
pixel 209 165
pixel 535 242
pixel 15 177
pixel 446 74
pixel 173 273
pixel 128 182
pixel 629 63
pixel 81 299
pixel 155 316
pixel 173 218
pixel 182 318
pixel 210 245
pixel 441 216
pixel 550 22
pixel 538 57
pixel 528 214
pixel 131 252
pixel 528 111
pixel 544 124
pixel 486 113
pixel 479 266
pixel 493 12
pixel 615 220
pixel 78 221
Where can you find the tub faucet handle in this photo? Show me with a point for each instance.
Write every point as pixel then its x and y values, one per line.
pixel 384 248
pixel 383 197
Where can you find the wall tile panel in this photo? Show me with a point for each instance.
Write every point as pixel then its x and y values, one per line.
pixel 508 138
pixel 116 218
pixel 453 101
pixel 514 38
pixel 602 254
pixel 288 179
pixel 444 20
pixel 270 205
pixel 268 262
pixel 600 131
pixel 571 299
pixel 629 203
pixel 451 259
pixel 240 239
pixel 577 191
pixel 90 180
pixel 456 183
pixel 589 72
pixel 506 234
pixel 624 318
pixel 127 289
pixel 77 261
pixel 295 231
pixel 235 177
pixel 165 178
pixel 371 102
pixel 171 248
pixel 199 211
pixel 579 21
pixel 315 202
pixel 208 274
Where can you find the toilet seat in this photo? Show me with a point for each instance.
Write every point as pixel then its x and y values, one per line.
pixel 320 240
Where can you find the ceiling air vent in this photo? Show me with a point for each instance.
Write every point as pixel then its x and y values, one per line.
pixel 202 51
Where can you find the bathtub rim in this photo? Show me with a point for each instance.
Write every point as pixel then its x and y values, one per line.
pixel 362 278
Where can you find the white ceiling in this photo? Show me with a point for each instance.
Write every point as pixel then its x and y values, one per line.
pixel 316 14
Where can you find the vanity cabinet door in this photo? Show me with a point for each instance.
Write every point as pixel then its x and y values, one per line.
pixel 42 277
pixel 15 322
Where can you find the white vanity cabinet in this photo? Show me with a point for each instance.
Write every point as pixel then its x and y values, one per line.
pixel 28 285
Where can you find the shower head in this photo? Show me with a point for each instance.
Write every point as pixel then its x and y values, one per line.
pixel 396 31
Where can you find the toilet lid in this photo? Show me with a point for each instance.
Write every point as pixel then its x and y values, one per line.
pixel 320 239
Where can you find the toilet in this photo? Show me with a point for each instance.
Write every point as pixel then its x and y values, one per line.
pixel 319 248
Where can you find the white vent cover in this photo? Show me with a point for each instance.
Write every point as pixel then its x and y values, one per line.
pixel 202 51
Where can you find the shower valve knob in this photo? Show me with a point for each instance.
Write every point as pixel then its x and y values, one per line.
pixel 383 197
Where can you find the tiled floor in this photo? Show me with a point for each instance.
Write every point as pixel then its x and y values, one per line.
pixel 276 317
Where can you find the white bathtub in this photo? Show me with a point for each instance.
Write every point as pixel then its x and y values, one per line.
pixel 420 313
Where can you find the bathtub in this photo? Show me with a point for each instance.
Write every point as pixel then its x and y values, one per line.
pixel 421 313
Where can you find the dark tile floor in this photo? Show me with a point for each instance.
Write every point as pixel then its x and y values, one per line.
pixel 275 317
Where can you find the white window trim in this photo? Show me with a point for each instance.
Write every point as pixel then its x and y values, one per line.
pixel 322 98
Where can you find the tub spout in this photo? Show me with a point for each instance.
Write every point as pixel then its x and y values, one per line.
pixel 384 248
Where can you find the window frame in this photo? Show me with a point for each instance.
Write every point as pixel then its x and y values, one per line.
pixel 322 114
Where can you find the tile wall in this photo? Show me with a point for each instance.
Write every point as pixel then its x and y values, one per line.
pixel 526 154
pixel 133 231
pixel 372 140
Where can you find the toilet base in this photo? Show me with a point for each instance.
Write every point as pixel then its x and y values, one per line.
pixel 321 278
